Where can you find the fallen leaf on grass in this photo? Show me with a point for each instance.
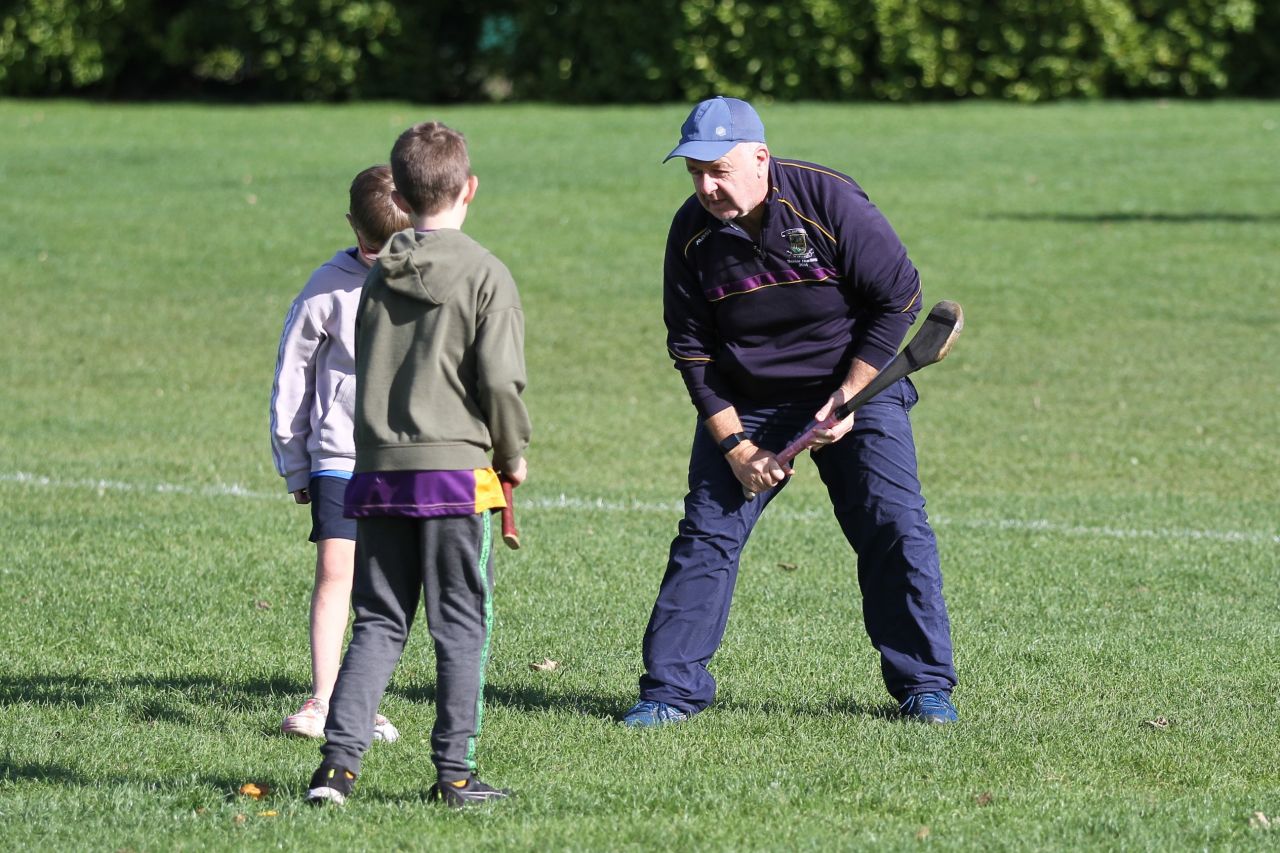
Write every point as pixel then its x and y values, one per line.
pixel 788 567
pixel 1259 821
pixel 268 813
pixel 262 605
pixel 1160 723
pixel 983 799
pixel 240 819
pixel 547 665
pixel 253 789
pixel 922 833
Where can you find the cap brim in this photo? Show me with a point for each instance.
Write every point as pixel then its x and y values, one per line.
pixel 706 151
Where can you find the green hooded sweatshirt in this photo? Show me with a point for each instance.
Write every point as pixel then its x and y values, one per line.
pixel 439 358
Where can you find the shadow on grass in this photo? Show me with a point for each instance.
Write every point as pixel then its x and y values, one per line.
pixel 610 708
pixel 1125 217
pixel 151 700
pixel 15 771
pixel 834 707
pixel 148 700
pixel 525 698
pixel 226 788
pixel 80 690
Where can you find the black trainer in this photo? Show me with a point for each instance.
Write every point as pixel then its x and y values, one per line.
pixel 330 783
pixel 465 792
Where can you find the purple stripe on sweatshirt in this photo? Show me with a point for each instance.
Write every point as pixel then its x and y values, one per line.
pixel 769 279
pixel 411 494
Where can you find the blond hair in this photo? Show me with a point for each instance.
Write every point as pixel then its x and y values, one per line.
pixel 431 166
pixel 373 213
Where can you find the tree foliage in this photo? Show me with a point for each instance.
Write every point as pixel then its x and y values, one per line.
pixel 583 51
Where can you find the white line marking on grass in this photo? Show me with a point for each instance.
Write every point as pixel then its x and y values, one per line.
pixel 1167 533
pixel 1017 525
pixel 103 486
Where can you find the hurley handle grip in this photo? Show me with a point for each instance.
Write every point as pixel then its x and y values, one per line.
pixel 510 535
pixel 802 441
pixel 932 341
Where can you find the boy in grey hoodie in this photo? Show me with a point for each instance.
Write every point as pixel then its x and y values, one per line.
pixel 440 373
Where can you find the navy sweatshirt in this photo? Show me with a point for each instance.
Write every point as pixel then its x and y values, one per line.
pixel 780 319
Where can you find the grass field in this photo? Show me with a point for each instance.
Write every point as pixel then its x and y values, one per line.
pixel 1099 454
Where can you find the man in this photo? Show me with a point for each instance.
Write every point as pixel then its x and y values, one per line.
pixel 785 292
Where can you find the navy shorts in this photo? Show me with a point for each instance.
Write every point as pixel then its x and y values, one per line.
pixel 327 494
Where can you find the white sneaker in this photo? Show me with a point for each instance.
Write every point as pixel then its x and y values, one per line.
pixel 308 721
pixel 310 718
pixel 383 730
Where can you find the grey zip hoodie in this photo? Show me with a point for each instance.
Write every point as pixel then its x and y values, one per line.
pixel 313 391
pixel 439 358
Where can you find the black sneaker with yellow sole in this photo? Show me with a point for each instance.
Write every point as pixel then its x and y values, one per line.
pixel 465 792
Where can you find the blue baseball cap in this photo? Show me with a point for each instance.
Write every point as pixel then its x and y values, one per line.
pixel 715 126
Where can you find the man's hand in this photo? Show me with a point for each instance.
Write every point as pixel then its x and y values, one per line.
pixel 517 476
pixel 860 373
pixel 830 435
pixel 302 496
pixel 756 468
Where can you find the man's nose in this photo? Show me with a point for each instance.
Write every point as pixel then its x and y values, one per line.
pixel 706 184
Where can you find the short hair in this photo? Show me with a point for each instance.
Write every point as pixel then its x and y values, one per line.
pixel 373 212
pixel 431 166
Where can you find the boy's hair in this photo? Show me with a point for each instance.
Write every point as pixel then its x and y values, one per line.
pixel 430 165
pixel 373 213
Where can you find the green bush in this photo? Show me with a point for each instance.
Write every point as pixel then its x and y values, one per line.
pixel 1253 66
pixel 1023 50
pixel 52 47
pixel 582 50
pixel 290 49
pixel 807 49
pixel 1012 49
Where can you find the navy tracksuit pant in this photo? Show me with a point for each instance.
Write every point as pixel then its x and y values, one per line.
pixel 870 475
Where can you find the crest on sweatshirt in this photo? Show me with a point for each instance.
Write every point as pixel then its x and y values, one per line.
pixel 798 248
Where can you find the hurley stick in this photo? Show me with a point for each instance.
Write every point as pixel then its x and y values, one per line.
pixel 932 342
pixel 509 533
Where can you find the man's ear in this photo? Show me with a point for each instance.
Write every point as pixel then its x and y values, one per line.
pixel 399 202
pixel 762 158
pixel 469 191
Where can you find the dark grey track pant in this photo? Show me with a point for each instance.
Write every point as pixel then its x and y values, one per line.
pixel 448 563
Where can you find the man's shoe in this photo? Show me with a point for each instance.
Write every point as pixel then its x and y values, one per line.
pixel 331 783
pixel 465 792
pixel 932 707
pixel 383 730
pixel 648 713
pixel 308 721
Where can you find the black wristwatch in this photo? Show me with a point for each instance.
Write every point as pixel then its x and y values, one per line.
pixel 732 441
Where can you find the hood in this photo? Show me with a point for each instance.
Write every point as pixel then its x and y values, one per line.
pixel 346 261
pixel 429 266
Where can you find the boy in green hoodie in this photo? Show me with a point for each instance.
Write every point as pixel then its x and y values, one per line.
pixel 439 377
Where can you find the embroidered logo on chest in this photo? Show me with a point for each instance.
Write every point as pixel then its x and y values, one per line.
pixel 798 249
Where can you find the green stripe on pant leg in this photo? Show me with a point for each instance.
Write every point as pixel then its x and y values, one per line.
pixel 485 543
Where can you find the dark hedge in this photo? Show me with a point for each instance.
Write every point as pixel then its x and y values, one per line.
pixel 679 50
